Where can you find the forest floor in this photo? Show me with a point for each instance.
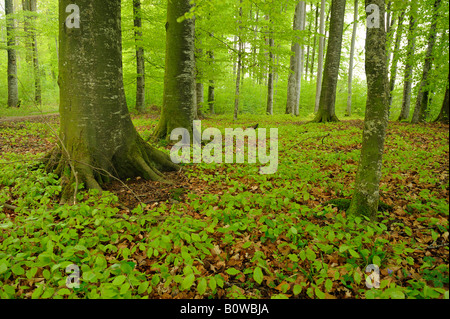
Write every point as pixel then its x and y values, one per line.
pixel 224 230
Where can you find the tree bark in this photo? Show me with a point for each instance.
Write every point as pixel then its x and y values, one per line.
pixel 314 43
pixel 179 79
pixel 140 59
pixel 270 81
pixel 350 66
pixel 320 55
pixel 396 56
pixel 211 87
pixel 443 116
pixel 238 66
pixel 13 88
pixel 421 109
pixel 294 63
pixel 97 138
pixel 366 195
pixel 326 111
pixel 407 81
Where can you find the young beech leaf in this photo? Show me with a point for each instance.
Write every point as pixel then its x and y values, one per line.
pixel 188 281
pixel 201 286
pixel 232 271
pixel 258 275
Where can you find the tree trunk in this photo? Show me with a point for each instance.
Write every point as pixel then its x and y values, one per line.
pixel 444 114
pixel 396 56
pixel 366 190
pixel 29 6
pixel 350 66
pixel 320 55
pixel 140 60
pixel 326 111
pixel 211 87
pixel 294 64
pixel 315 41
pixel 421 110
pixel 97 138
pixel 179 80
pixel 407 81
pixel 238 66
pixel 270 88
pixel 13 88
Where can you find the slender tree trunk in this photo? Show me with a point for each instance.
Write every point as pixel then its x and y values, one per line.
pixel 140 59
pixel 320 58
pixel 179 79
pixel 294 64
pixel 199 88
pixel 13 88
pixel 311 73
pixel 238 66
pixel 98 139
pixel 407 81
pixel 270 81
pixel 444 114
pixel 352 53
pixel 366 194
pixel 326 111
pixel 421 110
pixel 396 56
pixel 301 66
pixel 211 87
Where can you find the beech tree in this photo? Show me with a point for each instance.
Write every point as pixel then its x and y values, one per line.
pixel 140 59
pixel 348 111
pixel 421 108
pixel 407 78
pixel 179 80
pixel 98 141
pixel 366 194
pixel 320 55
pixel 326 112
pixel 443 116
pixel 13 88
pixel 294 80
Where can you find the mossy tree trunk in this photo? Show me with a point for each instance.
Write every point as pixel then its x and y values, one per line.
pixel 98 141
pixel 179 79
pixel 421 109
pixel 320 55
pixel 140 59
pixel 13 87
pixel 366 196
pixel 294 64
pixel 348 111
pixel 326 112
pixel 407 79
pixel 443 116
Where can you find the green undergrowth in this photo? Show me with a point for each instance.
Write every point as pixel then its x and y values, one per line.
pixel 236 233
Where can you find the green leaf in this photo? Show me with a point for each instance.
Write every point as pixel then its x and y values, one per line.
pixel 201 286
pixel 310 254
pixel 343 248
pixel 294 230
pixel 119 280
pixel 376 260
pixel 319 293
pixel 247 245
pixel 293 257
pixel 232 271
pixel 353 253
pixel 18 270
pixel 143 287
pixel 328 285
pixel 212 283
pixel 188 281
pixel 258 275
pixel 397 294
pixel 357 277
pixel 297 289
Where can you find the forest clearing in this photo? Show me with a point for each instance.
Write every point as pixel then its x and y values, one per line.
pixel 314 142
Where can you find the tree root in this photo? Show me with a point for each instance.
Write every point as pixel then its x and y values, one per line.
pixel 141 160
